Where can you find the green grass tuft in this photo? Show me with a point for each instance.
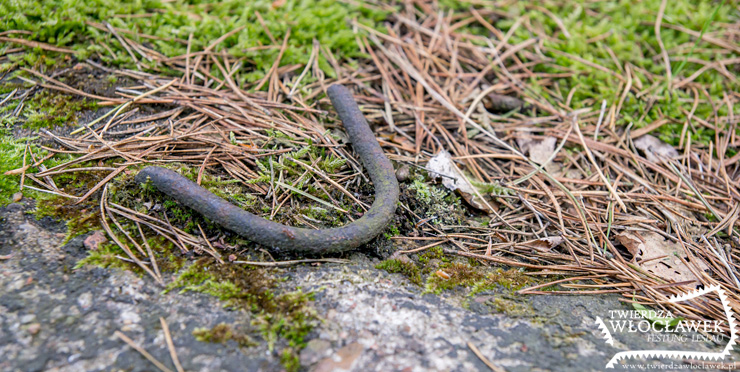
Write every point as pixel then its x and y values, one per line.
pixel 66 23
pixel 626 28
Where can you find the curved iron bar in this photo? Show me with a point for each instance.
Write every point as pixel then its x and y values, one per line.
pixel 294 239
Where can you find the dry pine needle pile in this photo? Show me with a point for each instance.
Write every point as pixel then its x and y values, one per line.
pixel 618 212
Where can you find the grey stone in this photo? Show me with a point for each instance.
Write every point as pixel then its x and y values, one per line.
pixel 372 320
pixel 315 350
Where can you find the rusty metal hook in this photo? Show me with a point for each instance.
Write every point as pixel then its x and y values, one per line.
pixel 294 239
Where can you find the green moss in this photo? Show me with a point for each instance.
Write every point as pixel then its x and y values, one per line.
pixel 489 188
pixel 476 278
pixel 172 260
pixel 435 202
pixel 11 157
pixel 511 279
pixel 460 275
pixel 45 109
pixel 438 273
pixel 423 190
pixel 434 253
pixel 288 316
pixel 406 268
pixel 65 24
pixel 315 212
pixel 292 319
pixel 239 286
pixel 50 110
pixel 79 218
pixel 391 231
pixel 222 333
pixel 331 164
pixel 106 256
pixel 627 30
pixel 289 359
pixel 512 308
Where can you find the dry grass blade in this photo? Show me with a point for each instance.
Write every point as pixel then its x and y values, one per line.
pixel 483 359
pixel 141 351
pixel 36 44
pixel 171 345
pixel 105 212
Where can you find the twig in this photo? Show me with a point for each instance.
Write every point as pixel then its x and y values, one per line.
pixel 171 345
pixel 483 359
pixel 141 351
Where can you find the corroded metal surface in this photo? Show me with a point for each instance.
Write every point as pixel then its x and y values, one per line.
pixel 275 235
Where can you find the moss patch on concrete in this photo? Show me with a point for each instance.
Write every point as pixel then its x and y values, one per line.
pixel 222 333
pixel 283 319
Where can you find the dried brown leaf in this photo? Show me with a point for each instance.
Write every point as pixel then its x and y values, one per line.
pixel 660 256
pixel 632 241
pixel 654 149
pixel 545 244
pixel 453 179
pixel 539 151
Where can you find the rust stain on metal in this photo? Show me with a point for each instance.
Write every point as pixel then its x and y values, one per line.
pixel 288 233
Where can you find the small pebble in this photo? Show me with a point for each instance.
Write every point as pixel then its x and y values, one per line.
pixel 402 174
pixel 94 241
pixel 17 197
pixel 14 207
pixel 442 274
pixel 314 351
pixel 34 328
